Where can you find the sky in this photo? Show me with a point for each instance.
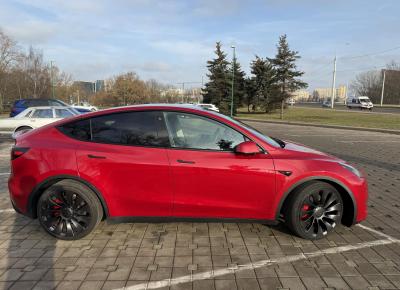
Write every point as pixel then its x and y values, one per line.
pixel 171 41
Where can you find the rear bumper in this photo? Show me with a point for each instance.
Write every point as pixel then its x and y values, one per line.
pixel 19 199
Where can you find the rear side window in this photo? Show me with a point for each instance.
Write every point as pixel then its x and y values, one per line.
pixel 130 128
pixel 36 103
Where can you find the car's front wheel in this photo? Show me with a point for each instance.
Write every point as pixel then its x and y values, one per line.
pixel 314 210
pixel 69 210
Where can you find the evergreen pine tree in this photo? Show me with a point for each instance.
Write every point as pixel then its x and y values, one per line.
pixel 217 89
pixel 264 83
pixel 250 93
pixel 286 71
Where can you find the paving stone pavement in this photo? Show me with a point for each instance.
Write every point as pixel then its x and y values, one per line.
pixel 125 255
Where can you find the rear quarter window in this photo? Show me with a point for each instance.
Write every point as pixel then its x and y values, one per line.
pixel 79 130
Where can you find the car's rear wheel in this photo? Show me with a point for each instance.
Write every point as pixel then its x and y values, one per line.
pixel 69 210
pixel 314 210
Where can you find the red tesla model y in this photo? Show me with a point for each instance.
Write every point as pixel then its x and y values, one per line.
pixel 177 162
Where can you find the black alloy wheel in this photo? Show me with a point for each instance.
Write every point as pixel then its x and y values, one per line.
pixel 69 210
pixel 314 210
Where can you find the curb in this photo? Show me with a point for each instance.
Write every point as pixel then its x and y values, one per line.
pixel 388 131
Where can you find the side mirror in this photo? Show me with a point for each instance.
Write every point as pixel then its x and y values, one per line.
pixel 247 148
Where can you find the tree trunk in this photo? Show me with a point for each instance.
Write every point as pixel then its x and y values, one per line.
pixel 282 103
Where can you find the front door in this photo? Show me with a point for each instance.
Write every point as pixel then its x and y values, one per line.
pixel 209 179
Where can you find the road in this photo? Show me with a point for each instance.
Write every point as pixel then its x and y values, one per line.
pixel 217 255
pixel 376 109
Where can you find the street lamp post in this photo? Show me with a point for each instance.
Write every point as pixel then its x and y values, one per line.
pixel 333 84
pixel 233 77
pixel 51 78
pixel 383 86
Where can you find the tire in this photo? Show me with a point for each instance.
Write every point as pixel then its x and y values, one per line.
pixel 69 210
pixel 313 210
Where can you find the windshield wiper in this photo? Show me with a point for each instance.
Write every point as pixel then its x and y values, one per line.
pixel 279 141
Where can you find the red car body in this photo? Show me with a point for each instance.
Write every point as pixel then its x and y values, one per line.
pixel 134 181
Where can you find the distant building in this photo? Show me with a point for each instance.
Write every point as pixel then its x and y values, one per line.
pixel 99 86
pixel 84 88
pixel 321 94
pixel 301 96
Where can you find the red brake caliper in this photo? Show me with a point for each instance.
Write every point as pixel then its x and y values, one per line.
pixel 305 208
pixel 58 201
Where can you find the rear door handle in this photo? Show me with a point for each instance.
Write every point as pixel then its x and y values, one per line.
pixel 185 161
pixel 96 156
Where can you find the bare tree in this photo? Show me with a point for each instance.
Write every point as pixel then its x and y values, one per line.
pixel 38 74
pixel 8 54
pixel 368 84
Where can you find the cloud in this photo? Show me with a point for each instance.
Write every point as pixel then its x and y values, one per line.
pixel 31 32
pixel 155 66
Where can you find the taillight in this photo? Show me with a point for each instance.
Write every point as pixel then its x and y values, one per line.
pixel 18 151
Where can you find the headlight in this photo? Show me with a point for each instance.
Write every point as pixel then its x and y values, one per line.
pixel 352 169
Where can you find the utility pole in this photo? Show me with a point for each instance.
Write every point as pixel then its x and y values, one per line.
pixel 233 77
pixel 333 83
pixel 383 86
pixel 51 78
pixel 183 91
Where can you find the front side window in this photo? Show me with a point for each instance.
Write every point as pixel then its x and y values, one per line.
pixel 63 113
pixel 42 113
pixel 196 132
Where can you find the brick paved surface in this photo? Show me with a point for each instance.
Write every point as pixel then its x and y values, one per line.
pixel 121 255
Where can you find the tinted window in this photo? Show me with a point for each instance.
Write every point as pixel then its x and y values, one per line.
pixel 131 128
pixel 63 113
pixel 36 103
pixel 193 131
pixel 42 113
pixel 79 130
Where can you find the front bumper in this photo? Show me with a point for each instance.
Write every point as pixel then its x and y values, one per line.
pixel 360 193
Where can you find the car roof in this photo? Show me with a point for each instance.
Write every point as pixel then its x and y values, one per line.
pixel 189 108
pixel 45 108
pixel 159 106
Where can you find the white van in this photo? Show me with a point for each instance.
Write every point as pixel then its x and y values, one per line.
pixel 362 102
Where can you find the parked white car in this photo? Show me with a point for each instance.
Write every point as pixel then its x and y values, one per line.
pixel 362 102
pixel 208 107
pixel 35 117
pixel 85 106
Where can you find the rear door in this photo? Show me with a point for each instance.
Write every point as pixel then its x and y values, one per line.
pixel 126 159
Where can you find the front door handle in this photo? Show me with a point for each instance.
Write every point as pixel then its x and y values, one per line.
pixel 96 156
pixel 185 161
